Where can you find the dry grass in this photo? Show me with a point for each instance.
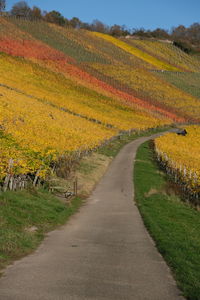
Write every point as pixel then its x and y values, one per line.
pixel 87 173
pixel 90 171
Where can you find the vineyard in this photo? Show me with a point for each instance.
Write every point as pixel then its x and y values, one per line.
pixel 180 157
pixel 168 53
pixel 66 92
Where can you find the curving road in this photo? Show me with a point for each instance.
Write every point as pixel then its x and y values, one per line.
pixel 103 252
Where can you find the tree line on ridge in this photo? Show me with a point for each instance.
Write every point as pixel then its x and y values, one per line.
pixel 187 39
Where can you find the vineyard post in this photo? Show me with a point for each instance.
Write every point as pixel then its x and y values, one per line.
pixel 36 177
pixel 8 176
pixel 11 183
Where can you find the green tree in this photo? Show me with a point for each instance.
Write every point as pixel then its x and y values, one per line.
pixel 116 30
pixel 160 33
pixel 55 17
pixel 36 13
pixel 75 23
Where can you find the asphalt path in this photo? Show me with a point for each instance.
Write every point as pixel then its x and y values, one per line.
pixel 103 252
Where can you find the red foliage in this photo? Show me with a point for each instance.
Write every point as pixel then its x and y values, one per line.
pixel 32 49
pixel 65 64
pixel 77 72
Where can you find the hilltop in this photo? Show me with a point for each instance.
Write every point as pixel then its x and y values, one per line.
pixel 65 92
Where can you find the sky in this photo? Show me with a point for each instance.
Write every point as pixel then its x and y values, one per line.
pixel 148 14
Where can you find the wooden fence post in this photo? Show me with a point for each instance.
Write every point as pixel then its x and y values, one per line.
pixel 76 186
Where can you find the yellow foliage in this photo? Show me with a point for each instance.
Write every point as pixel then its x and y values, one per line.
pixel 137 52
pixel 55 89
pixel 148 85
pixel 43 133
pixel 169 53
pixel 182 153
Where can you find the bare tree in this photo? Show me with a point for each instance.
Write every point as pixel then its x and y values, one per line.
pixel 21 9
pixel 99 26
pixel 2 6
pixel 179 32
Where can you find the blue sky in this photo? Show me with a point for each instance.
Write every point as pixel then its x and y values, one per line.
pixel 149 14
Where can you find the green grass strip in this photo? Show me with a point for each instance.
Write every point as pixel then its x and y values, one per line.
pixel 174 225
pixel 25 217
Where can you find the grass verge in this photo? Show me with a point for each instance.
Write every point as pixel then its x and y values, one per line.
pixel 174 225
pixel 25 217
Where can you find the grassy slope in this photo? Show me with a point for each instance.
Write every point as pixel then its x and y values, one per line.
pixel 174 225
pixel 25 217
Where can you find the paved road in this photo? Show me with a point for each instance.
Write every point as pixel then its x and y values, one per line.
pixel 103 252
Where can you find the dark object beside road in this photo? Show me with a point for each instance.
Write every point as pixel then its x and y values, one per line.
pixel 182 132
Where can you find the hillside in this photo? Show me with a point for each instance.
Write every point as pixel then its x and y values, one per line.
pixel 65 91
